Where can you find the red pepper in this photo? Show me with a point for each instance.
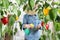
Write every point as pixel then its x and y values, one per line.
pixel 47 26
pixel 4 20
pixel 42 23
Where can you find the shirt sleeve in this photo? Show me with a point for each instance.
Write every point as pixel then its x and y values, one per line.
pixel 39 22
pixel 24 21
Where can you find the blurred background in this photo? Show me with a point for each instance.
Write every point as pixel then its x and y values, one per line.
pixel 13 11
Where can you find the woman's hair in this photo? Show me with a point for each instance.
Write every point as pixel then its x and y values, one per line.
pixel 32 11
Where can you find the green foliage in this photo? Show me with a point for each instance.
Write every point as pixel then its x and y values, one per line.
pixel 37 1
pixel 11 20
pixel 59 10
pixel 5 3
pixel 15 31
pixel 0 26
pixel 53 36
pixel 53 14
pixel 14 16
pixel 31 4
pixel 4 31
pixel 46 5
pixel 10 32
pixel 47 18
pixel 19 13
pixel 7 30
pixel 1 13
pixel 14 10
pixel 58 35
pixel 55 3
pixel 25 6
pixel 0 4
pixel 20 25
pixel 43 37
pixel 22 1
pixel 57 26
pixel 18 2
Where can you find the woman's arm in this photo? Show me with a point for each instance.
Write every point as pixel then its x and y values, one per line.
pixel 25 24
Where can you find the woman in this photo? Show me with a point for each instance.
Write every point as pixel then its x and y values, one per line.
pixel 32 17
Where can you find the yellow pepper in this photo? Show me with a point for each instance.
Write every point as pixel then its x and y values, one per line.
pixel 32 25
pixel 46 10
pixel 49 8
pixel 16 18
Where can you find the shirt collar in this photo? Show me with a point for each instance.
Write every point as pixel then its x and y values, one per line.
pixel 33 15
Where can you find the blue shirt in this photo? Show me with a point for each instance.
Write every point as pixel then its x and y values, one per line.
pixel 28 19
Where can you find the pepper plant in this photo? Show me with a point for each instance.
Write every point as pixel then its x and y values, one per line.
pixel 9 14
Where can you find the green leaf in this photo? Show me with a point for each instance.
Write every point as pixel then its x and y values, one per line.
pixel 53 14
pixel 0 3
pixel 58 35
pixel 2 13
pixel 5 30
pixel 19 12
pixel 43 37
pixel 22 1
pixel 59 10
pixel 57 26
pixel 31 4
pixel 5 3
pixel 47 17
pixel 14 16
pixel 18 1
pixel 15 31
pixel 10 32
pixel 46 5
pixel 20 25
pixel 25 6
pixel 0 26
pixel 40 15
pixel 14 9
pixel 11 21
pixel 37 1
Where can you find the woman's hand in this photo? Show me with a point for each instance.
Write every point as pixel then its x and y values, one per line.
pixel 26 26
pixel 29 26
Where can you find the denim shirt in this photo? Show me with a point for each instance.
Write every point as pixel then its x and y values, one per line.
pixel 28 19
